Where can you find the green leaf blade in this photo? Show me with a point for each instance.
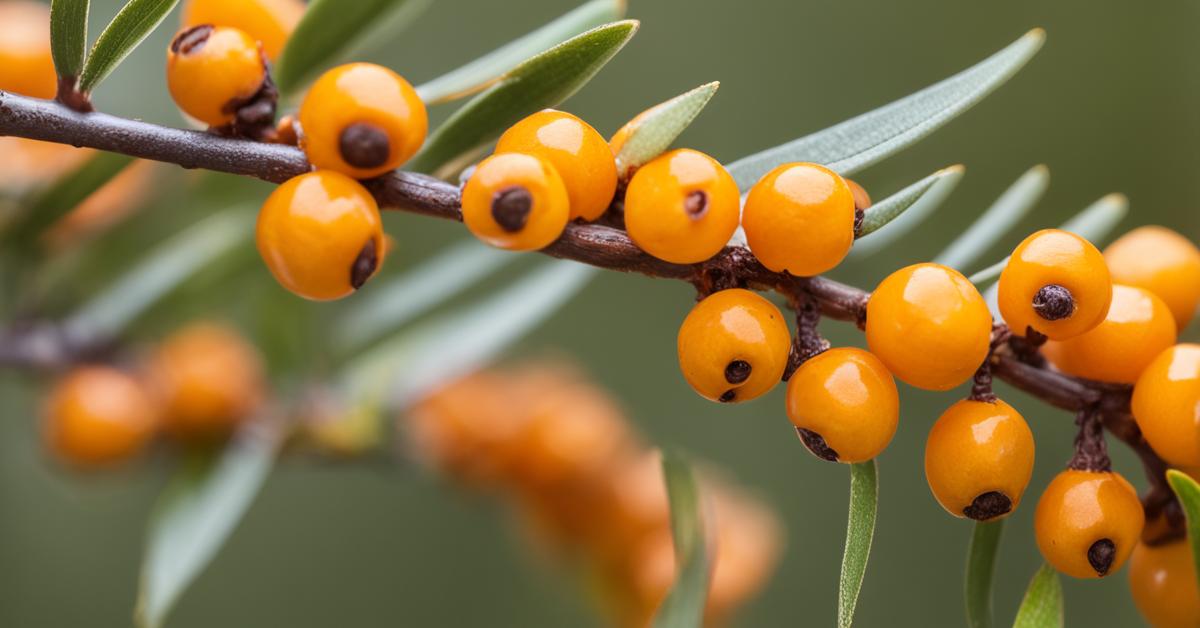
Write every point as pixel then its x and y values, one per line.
pixel 860 531
pixel 904 211
pixel 981 569
pixel 1013 205
pixel 1043 603
pixel 1188 492
pixel 63 196
pixel 540 82
pixel 684 605
pixel 1098 220
pixel 658 127
pixel 136 20
pixel 68 36
pixel 868 138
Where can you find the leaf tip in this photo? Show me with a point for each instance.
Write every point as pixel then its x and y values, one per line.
pixel 1041 170
pixel 1116 198
pixel 1036 34
pixel 955 171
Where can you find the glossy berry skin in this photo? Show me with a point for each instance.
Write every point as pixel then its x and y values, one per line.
pixel 208 380
pixel 979 458
pixel 1162 579
pixel 799 218
pixel 25 58
pixel 320 234
pixel 361 120
pixel 1161 261
pixel 516 202
pixel 1166 405
pixel 929 325
pixel 1088 522
pixel 862 199
pixel 682 207
pixel 1136 329
pixel 211 71
pixel 98 416
pixel 733 346
pixel 1052 257
pixel 845 404
pixel 270 22
pixel 579 154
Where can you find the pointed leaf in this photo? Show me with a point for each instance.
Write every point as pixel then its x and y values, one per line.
pixel 981 568
pixel 998 220
pixel 129 28
pixel 196 514
pixel 537 83
pixel 989 273
pixel 63 196
pixel 1043 603
pixel 684 606
pixel 1099 219
pixel 904 211
pixel 864 499
pixel 873 136
pixel 1188 493
pixel 479 73
pixel 653 131
pixel 68 35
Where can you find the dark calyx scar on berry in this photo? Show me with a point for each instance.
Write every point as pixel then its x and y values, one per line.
pixel 737 371
pixel 364 265
pixel 1054 302
pixel 511 208
pixel 988 505
pixel 364 145
pixel 816 444
pixel 192 39
pixel 1101 554
pixel 695 204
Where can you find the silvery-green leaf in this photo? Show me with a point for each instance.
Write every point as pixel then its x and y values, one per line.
pixel 913 208
pixel 1188 493
pixel 539 82
pixel 998 220
pixel 1043 603
pixel 653 131
pixel 864 500
pixel 480 73
pixel 136 20
pixel 989 273
pixel 684 605
pixel 864 140
pixel 68 35
pixel 63 196
pixel 981 569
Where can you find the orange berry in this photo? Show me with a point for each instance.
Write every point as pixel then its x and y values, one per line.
pixel 209 380
pixel 844 404
pixel 979 458
pixel 1166 405
pixel 1055 283
pixel 1088 522
pixel 1162 579
pixel 211 71
pixel 929 325
pixel 862 200
pixel 515 201
pixel 733 346
pixel 25 50
pixel 1138 327
pixel 98 416
pixel 682 207
pixel 579 154
pixel 1161 261
pixel 270 22
pixel 799 218
pixel 362 120
pixel 321 235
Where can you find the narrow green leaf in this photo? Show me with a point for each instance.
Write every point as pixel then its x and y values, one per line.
pixel 864 140
pixel 656 128
pixel 539 82
pixel 1188 493
pixel 981 568
pixel 904 211
pixel 479 73
pixel 998 220
pixel 165 267
pixel 989 273
pixel 196 514
pixel 864 499
pixel 1099 219
pixel 129 28
pixel 386 307
pixel 1043 603
pixel 68 35
pixel 684 606
pixel 63 196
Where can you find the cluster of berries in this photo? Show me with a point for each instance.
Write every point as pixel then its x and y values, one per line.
pixel 565 456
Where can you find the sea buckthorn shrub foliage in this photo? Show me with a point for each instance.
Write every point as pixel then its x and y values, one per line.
pixel 276 90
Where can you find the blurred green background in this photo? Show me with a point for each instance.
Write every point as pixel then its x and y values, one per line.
pixel 1110 104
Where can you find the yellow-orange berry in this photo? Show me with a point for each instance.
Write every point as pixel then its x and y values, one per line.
pixel 1136 329
pixel 682 207
pixel 862 200
pixel 733 346
pixel 799 218
pixel 362 120
pixel 212 71
pixel 1087 522
pixel 268 21
pixel 1161 261
pixel 208 379
pixel 515 201
pixel 844 405
pixel 321 235
pixel 97 416
pixel 25 49
pixel 979 458
pixel 579 154
pixel 1055 283
pixel 1162 579
pixel 1166 405
pixel 929 325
